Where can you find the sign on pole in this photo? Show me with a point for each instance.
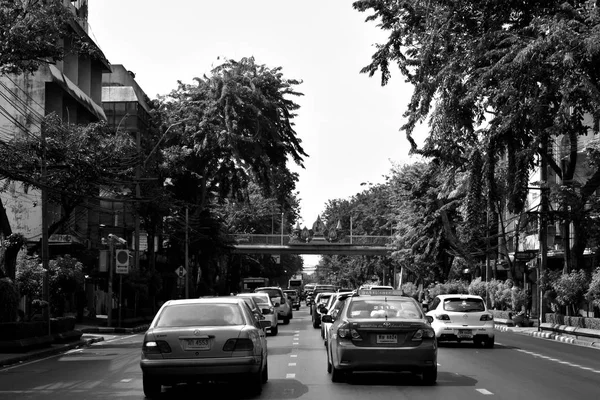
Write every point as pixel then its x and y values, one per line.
pixel 122 262
pixel 180 272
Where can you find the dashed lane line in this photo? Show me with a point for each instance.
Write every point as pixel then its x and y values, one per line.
pixel 485 392
pixel 556 360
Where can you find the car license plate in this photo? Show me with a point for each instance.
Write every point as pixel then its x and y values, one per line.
pixel 387 338
pixel 197 344
pixel 465 333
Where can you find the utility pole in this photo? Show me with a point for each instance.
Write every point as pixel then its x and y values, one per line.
pixel 110 282
pixel 187 279
pixel 543 238
pixel 138 176
pixel 45 255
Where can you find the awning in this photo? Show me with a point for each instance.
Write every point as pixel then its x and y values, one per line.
pixel 82 98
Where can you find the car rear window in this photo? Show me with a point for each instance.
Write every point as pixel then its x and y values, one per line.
pixel 271 292
pixel 392 309
pixel 463 305
pixel 207 314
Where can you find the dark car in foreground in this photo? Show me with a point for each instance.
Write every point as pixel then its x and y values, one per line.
pixel 381 331
pixel 208 339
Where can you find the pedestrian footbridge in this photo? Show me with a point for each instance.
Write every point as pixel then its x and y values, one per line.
pixel 286 244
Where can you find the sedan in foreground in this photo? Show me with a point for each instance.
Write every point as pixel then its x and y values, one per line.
pixel 209 339
pixel 381 331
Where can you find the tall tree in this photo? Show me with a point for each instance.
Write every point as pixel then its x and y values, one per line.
pixel 507 75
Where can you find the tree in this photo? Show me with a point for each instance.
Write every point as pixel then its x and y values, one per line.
pixel 227 130
pixel 80 159
pixel 506 76
pixel 30 34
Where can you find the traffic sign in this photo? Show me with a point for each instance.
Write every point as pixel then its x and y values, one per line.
pixel 181 272
pixel 122 262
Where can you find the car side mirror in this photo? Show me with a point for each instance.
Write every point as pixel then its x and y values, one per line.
pixel 429 318
pixel 265 311
pixel 265 323
pixel 425 307
pixel 277 304
pixel 327 319
pixel 323 310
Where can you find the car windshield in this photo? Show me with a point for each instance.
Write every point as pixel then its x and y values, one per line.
pixel 390 309
pixel 205 314
pixel 464 305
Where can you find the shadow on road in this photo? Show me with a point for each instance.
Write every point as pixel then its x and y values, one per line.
pixel 407 379
pixel 274 389
pixel 471 345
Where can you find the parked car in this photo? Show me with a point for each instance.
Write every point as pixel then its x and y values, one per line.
pixel 294 298
pixel 192 340
pixel 381 333
pixel 266 307
pixel 319 307
pixel 279 299
pixel 460 317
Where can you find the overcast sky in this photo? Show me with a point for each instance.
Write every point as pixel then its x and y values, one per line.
pixel 348 123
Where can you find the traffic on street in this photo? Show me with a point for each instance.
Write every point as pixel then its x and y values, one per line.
pixel 518 366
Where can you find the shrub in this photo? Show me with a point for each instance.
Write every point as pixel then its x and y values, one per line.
pixel 593 292
pixel 478 287
pixel 410 289
pixel 570 289
pixel 9 300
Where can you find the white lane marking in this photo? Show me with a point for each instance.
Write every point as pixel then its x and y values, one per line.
pixel 294 355
pixel 125 380
pixel 484 391
pixel 296 331
pixel 531 353
pixel 290 376
pixel 291 364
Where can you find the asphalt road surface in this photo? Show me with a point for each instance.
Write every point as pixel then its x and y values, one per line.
pixel 519 367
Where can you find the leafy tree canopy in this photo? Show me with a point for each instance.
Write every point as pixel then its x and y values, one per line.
pixel 30 34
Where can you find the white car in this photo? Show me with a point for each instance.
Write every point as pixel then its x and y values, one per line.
pixel 462 317
pixel 264 303
pixel 280 300
pixel 335 304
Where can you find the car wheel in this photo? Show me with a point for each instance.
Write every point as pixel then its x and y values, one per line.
pixel 322 333
pixel 286 321
pixel 316 324
pixel 291 315
pixel 297 308
pixel 152 387
pixel 328 364
pixel 274 330
pixel 337 375
pixel 265 373
pixel 430 376
pixel 478 342
pixel 489 343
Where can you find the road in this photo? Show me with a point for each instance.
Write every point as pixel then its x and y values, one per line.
pixel 519 367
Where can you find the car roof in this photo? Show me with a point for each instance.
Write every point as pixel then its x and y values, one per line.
pixel 268 287
pixel 205 300
pixel 462 296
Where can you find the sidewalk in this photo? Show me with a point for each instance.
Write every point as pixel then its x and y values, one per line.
pixel 91 333
pixel 533 331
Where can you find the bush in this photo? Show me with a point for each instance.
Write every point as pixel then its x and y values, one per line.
pixel 578 322
pixel 478 288
pixel 593 292
pixel 570 289
pixel 9 300
pixel 410 289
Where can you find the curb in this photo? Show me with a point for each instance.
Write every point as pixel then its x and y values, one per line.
pixel 550 336
pixel 49 352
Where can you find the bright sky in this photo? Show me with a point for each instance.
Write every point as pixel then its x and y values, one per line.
pixel 348 124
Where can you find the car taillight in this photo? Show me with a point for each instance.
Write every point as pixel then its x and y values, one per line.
pixel 486 317
pixel 443 317
pixel 157 347
pixel 345 332
pixel 423 334
pixel 238 345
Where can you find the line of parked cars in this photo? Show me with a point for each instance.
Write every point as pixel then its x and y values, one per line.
pixel 380 329
pixel 213 339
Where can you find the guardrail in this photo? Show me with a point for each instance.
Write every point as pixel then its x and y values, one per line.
pixel 276 240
